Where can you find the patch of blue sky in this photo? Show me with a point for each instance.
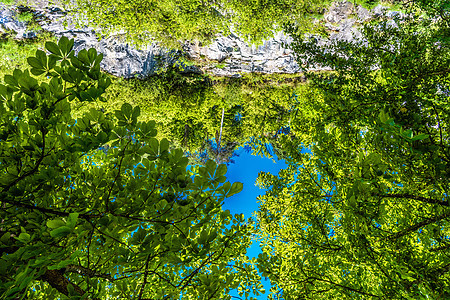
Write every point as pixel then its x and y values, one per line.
pixel 245 169
pixel 397 183
pixel 363 131
pixel 238 117
pixel 331 232
pixel 305 228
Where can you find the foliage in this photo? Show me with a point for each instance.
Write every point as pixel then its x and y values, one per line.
pixel 364 213
pixel 8 2
pixel 97 208
pixel 172 22
pixel 14 53
pixel 25 16
pixel 187 108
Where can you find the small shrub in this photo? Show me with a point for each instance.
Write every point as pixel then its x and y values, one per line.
pixel 25 16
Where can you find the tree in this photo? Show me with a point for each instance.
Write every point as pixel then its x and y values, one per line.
pixel 364 212
pixel 97 208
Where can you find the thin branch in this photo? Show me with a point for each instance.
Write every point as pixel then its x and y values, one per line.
pixel 439 123
pixel 145 278
pixel 418 226
pixel 345 287
pixel 117 176
pixel 414 197
pixel 48 210
pixel 114 239
pixel 87 272
pixel 32 171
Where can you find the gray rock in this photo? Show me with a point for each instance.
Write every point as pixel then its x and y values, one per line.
pixel 120 59
pixel 271 57
pixel 346 32
pixel 363 14
pixel 395 15
pixel 339 11
pixel 379 10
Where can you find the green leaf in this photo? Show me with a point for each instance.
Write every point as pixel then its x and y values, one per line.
pixel 221 170
pixel 421 136
pixel 154 145
pixel 98 59
pixel 164 145
pixel 61 232
pixel 83 57
pixel 28 83
pixel 11 80
pixel 65 45
pixel 37 72
pixel 92 54
pixel 51 62
pixel 42 57
pixel 55 223
pixel 408 134
pixel 383 116
pixel 72 220
pixel 211 166
pixel 5 238
pixel 5 93
pixel 126 110
pixel 24 237
pixel 135 114
pixel 35 63
pixel 53 48
pixel 235 188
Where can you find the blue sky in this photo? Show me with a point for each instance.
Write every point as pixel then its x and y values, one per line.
pixel 245 169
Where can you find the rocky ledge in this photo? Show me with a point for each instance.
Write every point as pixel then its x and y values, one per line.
pixel 226 56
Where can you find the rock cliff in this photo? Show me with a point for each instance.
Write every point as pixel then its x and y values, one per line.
pixel 226 56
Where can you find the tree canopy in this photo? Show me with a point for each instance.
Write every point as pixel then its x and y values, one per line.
pixel 96 207
pixel 362 211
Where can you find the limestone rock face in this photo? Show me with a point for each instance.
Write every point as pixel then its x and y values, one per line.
pixel 9 23
pixel 234 55
pixel 225 56
pixel 362 13
pixel 120 59
pixel 339 11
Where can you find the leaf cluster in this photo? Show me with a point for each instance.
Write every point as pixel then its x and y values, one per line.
pixel 363 211
pixel 97 207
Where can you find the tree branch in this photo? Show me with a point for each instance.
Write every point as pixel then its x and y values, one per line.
pixel 32 171
pixel 87 272
pixel 417 226
pixel 48 210
pixel 117 176
pixel 57 280
pixel 414 197
pixel 145 278
pixel 345 287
